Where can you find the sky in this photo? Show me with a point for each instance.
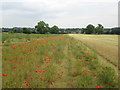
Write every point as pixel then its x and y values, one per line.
pixel 63 13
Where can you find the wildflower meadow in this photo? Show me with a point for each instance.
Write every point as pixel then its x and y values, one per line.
pixel 52 61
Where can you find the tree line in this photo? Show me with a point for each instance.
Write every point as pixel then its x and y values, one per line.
pixel 40 28
pixel 90 29
pixel 43 28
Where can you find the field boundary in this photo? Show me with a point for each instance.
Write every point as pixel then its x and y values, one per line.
pixel 98 53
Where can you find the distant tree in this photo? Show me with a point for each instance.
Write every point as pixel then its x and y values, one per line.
pixel 83 30
pixel 90 29
pixel 26 31
pixel 33 31
pixel 12 31
pixel 54 29
pixel 115 31
pixel 42 27
pixel 99 29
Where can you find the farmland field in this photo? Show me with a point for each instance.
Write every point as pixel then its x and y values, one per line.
pixel 105 45
pixel 54 61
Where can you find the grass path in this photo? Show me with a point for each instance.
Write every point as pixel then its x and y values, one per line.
pixel 63 82
pixel 63 69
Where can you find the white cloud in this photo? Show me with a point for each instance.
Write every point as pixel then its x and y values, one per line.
pixel 64 13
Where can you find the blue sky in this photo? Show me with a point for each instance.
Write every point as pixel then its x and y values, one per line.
pixel 63 13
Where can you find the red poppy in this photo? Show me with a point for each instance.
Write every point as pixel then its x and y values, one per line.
pixel 20 69
pixel 80 65
pixel 47 66
pixel 26 83
pixel 4 74
pixel 82 61
pixel 38 66
pixel 15 59
pixel 83 55
pixel 14 67
pixel 44 79
pixel 22 52
pixel 40 78
pixel 89 71
pixel 51 82
pixel 19 57
pixel 37 71
pixel 86 72
pixel 75 71
pixel 20 62
pixel 72 80
pixel 84 69
pixel 45 59
pixel 8 41
pixel 87 63
pixel 88 53
pixel 42 71
pixel 98 87
pixel 36 53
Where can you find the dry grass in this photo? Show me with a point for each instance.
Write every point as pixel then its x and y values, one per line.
pixel 105 45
